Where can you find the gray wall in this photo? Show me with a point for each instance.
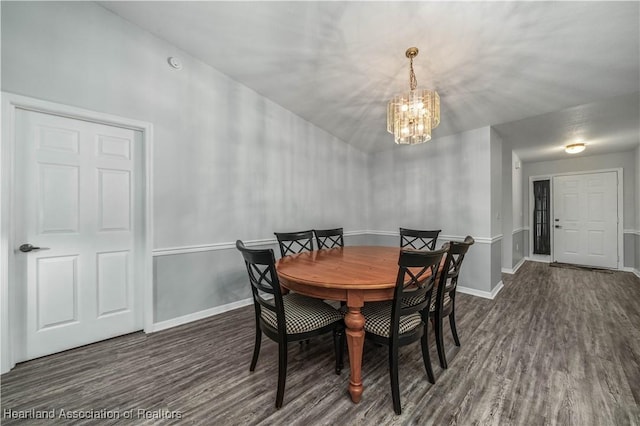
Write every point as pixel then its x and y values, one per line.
pixel 511 181
pixel 625 160
pixel 630 250
pixel 497 246
pixel 495 169
pixel 228 163
pixel 445 184
pixel 518 241
pixel 507 204
pixel 637 230
pixel 638 189
pixel 221 272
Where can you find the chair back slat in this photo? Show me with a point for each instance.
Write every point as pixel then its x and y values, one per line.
pixel 294 242
pixel 456 252
pixel 265 285
pixel 417 239
pixel 329 238
pixel 417 274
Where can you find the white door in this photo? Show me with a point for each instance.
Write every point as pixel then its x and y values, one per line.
pixel 76 186
pixel 585 212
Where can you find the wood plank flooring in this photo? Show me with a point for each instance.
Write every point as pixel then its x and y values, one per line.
pixel 557 346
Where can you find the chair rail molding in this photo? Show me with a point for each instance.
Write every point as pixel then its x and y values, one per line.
pixel 196 248
pixel 442 237
pixel 170 251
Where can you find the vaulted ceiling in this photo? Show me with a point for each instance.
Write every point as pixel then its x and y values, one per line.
pixel 336 64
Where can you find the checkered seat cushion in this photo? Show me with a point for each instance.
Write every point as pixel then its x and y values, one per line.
pixel 377 317
pixel 445 302
pixel 410 301
pixel 414 300
pixel 302 314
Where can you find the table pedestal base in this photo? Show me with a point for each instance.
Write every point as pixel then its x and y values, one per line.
pixel 354 320
pixel 354 274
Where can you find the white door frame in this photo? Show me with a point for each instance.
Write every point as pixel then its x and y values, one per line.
pixel 620 227
pixel 10 103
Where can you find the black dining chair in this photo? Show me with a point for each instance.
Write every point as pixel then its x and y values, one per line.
pixel 286 318
pixel 405 319
pixel 417 239
pixel 444 303
pixel 294 242
pixel 329 238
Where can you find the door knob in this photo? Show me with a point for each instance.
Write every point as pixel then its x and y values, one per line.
pixel 26 248
pixel 558 226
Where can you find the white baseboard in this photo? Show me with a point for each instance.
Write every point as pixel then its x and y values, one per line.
pixel 479 293
pixel 163 325
pixel 515 269
pixel 632 270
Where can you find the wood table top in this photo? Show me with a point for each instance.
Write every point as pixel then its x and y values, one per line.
pixel 350 268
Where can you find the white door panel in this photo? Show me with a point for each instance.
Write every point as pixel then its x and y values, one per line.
pixel 586 219
pixel 114 204
pixel 75 186
pixel 56 291
pixel 57 199
pixel 114 288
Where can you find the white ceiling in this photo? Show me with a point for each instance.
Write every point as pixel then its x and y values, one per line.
pixel 336 64
pixel 605 126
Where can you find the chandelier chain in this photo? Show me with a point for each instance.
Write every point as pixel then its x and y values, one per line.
pixel 413 82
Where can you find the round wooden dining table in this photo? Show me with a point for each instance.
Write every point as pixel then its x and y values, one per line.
pixel 354 274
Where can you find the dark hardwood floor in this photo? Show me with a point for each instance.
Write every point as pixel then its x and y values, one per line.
pixel 556 346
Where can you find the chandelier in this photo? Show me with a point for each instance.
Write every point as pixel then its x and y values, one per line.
pixel 411 116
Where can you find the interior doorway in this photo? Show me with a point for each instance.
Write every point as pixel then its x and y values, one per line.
pixel 76 222
pixel 77 216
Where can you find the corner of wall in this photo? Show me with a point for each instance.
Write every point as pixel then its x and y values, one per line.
pixel 637 224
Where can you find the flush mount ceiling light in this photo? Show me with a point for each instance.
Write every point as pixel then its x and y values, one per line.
pixel 411 116
pixel 574 148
